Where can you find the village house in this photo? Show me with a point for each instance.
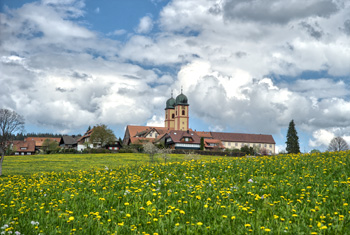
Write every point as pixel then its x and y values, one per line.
pixel 39 141
pixel 84 142
pixel 20 147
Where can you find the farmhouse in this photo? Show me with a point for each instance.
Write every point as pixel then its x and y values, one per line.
pixel 84 142
pixel 39 141
pixel 21 147
pixel 176 133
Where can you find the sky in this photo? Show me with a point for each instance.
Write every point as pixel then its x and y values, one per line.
pixel 246 66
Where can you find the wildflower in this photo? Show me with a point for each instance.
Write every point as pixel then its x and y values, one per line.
pixel 126 204
pixel 247 225
pixel 148 203
pixel 199 223
pixel 267 230
pixel 128 215
pixel 71 218
pixel 250 181
pixel 233 217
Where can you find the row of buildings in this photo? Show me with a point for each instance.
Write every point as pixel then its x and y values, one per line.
pixel 175 134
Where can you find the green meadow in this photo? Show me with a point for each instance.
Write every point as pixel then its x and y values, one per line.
pixel 25 165
pixel 125 194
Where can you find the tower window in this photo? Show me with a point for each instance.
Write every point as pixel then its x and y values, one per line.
pixel 176 112
pixel 183 112
pixel 172 115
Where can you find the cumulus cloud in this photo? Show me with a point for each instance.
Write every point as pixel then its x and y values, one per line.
pixel 276 11
pixel 145 25
pixel 239 63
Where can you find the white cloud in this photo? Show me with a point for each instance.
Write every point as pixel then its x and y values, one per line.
pixel 235 68
pixel 97 10
pixel 117 32
pixel 156 121
pixel 145 25
pixel 321 137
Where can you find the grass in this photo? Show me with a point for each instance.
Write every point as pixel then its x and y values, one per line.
pixel 286 194
pixel 26 165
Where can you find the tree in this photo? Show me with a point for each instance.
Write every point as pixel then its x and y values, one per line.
pixel 10 122
pixel 151 150
pixel 247 150
pixel 338 144
pixel 292 139
pixel 202 144
pixel 102 135
pixel 50 146
pixel 315 151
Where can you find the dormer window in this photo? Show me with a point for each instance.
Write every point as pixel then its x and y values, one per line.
pixel 187 139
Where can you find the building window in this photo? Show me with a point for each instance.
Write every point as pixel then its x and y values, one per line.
pixel 176 112
pixel 166 116
pixel 236 144
pixel 183 112
pixel 172 116
pixel 270 145
pixel 229 144
pixel 265 145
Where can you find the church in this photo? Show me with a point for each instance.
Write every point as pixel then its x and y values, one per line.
pixel 176 133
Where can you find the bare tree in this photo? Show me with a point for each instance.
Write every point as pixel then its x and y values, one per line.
pixel 10 122
pixel 338 144
pixel 151 150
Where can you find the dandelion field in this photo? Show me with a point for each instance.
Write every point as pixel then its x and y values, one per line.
pixel 285 194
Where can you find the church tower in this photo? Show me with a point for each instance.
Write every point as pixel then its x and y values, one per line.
pixel 170 113
pixel 181 113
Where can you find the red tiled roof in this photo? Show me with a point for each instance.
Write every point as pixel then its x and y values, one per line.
pixel 40 140
pixel 207 143
pixel 19 144
pixel 178 136
pixel 134 130
pixel 204 134
pixel 86 135
pixel 140 140
pixel 239 137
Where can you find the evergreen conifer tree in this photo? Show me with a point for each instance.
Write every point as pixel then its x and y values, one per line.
pixel 292 139
pixel 202 144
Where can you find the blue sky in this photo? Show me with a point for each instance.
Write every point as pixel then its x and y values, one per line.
pixel 245 66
